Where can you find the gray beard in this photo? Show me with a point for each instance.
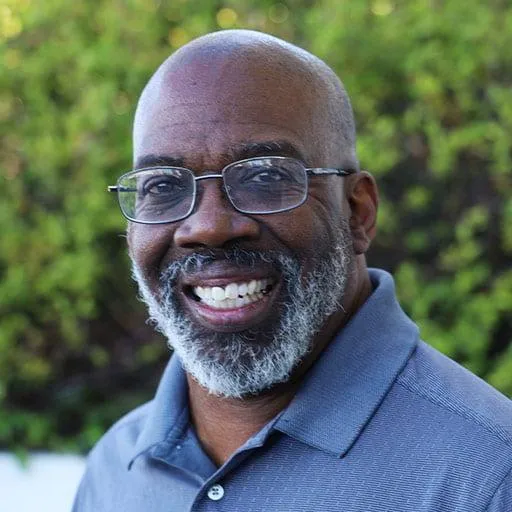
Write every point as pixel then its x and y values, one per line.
pixel 251 361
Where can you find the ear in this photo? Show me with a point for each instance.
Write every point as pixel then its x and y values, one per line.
pixel 363 199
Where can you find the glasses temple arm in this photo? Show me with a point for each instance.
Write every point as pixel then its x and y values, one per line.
pixel 321 171
pixel 117 188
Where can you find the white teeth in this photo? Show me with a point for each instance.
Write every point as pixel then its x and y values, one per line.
pixel 233 295
pixel 218 293
pixel 242 289
pixel 231 291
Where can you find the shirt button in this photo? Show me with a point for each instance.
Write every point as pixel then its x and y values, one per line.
pixel 216 492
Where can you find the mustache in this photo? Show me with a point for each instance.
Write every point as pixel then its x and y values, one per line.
pixel 198 261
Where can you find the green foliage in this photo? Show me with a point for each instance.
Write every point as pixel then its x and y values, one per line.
pixel 430 85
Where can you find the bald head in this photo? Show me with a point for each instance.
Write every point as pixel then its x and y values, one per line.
pixel 239 77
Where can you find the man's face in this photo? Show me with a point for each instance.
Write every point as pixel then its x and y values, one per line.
pixel 240 297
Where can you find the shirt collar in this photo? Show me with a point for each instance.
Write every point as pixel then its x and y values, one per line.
pixel 340 393
pixel 168 414
pixel 347 383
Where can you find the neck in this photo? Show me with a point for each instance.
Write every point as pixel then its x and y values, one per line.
pixel 224 424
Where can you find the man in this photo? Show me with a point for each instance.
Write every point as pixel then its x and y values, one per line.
pixel 297 383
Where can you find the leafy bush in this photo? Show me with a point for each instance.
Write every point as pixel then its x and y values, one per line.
pixel 430 84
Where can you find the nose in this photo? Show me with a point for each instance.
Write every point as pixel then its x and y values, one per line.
pixel 214 222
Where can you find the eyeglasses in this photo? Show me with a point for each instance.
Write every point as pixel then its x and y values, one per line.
pixel 263 185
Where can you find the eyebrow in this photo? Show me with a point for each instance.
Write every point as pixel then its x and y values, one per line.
pixel 267 148
pixel 233 154
pixel 152 160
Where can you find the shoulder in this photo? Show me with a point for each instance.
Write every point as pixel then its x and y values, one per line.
pixel 108 461
pixel 118 444
pixel 457 393
pixel 454 423
pixel 112 454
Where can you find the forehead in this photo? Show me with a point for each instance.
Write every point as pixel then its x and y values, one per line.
pixel 202 109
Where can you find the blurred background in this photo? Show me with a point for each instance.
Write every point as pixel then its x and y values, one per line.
pixel 430 82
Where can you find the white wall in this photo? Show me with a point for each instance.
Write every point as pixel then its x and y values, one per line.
pixel 47 484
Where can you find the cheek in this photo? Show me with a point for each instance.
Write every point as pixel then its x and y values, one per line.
pixel 147 246
pixel 309 231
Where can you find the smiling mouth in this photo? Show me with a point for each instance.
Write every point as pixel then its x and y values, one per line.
pixel 233 295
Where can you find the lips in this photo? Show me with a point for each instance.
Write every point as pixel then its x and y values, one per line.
pixel 233 301
pixel 233 295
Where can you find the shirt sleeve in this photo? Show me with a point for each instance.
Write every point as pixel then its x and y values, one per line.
pixel 502 499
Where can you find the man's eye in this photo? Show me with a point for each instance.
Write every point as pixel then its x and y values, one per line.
pixel 162 185
pixel 268 176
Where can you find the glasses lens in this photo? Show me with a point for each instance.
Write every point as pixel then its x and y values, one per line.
pixel 266 185
pixel 157 195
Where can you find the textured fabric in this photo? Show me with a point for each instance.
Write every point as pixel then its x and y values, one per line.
pixel 382 422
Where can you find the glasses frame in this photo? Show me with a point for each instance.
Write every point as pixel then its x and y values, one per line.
pixel 310 171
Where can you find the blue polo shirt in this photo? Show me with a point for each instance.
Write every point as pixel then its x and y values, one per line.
pixel 382 422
